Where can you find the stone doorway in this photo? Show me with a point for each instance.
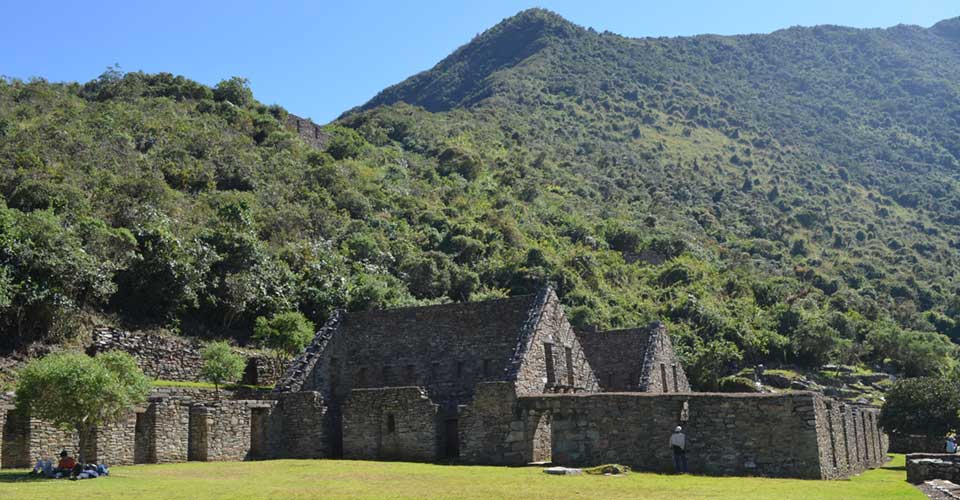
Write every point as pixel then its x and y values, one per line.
pixel 197 434
pixel 451 438
pixel 15 442
pixel 542 439
pixel 258 433
pixel 141 439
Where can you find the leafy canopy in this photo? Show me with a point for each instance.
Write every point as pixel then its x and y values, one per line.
pixel 926 405
pixel 78 392
pixel 287 332
pixel 221 364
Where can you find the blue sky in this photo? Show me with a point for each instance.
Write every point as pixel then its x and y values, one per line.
pixel 320 58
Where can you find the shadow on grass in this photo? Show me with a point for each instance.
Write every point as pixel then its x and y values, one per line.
pixel 895 467
pixel 20 477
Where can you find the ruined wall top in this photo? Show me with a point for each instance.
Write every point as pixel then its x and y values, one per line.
pixel 168 357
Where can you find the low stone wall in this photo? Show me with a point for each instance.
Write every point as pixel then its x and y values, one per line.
pixel 916 443
pixel 202 394
pixel 167 357
pixel 926 466
pixel 220 431
pixel 398 423
pixel 165 430
pixel 802 434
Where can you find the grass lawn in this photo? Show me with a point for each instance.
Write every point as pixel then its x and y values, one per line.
pixel 350 479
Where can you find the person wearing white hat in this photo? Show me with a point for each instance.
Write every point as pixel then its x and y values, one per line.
pixel 678 443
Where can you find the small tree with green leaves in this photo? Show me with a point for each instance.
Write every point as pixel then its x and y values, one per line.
pixel 80 393
pixel 925 405
pixel 286 333
pixel 221 364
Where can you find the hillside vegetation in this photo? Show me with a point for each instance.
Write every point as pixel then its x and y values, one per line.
pixel 782 198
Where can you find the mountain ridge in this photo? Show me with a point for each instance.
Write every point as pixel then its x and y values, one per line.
pixel 791 198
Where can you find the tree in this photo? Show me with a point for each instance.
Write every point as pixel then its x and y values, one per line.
pixel 77 392
pixel 221 364
pixel 925 405
pixel 236 90
pixel 286 333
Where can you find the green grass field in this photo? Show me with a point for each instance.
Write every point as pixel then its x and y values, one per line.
pixel 349 479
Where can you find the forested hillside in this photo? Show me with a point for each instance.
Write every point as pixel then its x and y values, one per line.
pixel 790 197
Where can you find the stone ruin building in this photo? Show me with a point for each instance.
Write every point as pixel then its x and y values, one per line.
pixel 501 382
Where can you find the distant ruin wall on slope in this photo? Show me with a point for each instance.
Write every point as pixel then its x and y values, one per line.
pixel 167 357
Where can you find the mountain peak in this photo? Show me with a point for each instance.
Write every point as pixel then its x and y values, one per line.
pixel 462 78
pixel 948 28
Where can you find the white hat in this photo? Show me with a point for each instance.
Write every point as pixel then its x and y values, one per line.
pixel 678 429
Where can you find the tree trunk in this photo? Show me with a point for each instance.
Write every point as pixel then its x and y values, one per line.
pixel 84 432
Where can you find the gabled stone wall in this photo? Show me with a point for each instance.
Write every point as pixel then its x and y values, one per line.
pixel 636 359
pixel 446 349
pixel 552 359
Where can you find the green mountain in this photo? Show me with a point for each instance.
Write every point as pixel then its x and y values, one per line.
pixel 782 198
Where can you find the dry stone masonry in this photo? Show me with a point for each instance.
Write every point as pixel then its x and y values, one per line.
pixel 167 357
pixel 502 382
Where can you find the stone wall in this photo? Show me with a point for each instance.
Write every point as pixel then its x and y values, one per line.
pixel 446 349
pixel 169 436
pixel 738 435
pixel 167 357
pixel 309 132
pixel 926 466
pixel 488 433
pixel 164 430
pixel 301 426
pixel 639 359
pixel 917 443
pixel 662 370
pixel 553 359
pixel 779 435
pixel 222 431
pixel 391 424
pixel 115 443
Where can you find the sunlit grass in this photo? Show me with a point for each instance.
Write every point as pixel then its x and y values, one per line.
pixel 361 479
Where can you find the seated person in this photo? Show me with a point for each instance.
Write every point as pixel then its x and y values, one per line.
pixel 44 466
pixel 66 463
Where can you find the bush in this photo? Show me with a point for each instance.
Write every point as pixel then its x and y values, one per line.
pixel 287 333
pixel 927 405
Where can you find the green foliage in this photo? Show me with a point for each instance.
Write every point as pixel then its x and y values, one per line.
pixel 926 405
pixel 344 143
pixel 236 90
pixel 221 364
pixel 784 198
pixel 78 392
pixel 287 332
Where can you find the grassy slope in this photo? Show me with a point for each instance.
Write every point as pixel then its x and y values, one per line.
pixel 332 478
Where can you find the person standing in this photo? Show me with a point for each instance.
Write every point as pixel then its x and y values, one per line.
pixel 951 444
pixel 678 443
